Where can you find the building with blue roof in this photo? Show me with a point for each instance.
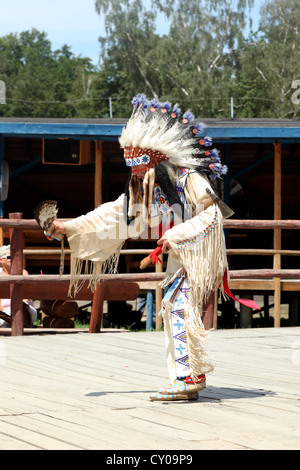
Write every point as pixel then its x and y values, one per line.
pixel 246 146
pixel 263 182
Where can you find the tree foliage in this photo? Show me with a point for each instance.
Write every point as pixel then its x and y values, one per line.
pixel 268 62
pixel 209 54
pixel 191 64
pixel 41 82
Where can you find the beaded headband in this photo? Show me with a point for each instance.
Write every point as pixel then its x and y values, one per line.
pixel 136 156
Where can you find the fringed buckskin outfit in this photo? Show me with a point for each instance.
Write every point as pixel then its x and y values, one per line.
pixel 174 200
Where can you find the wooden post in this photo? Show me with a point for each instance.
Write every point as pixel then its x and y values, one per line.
pixel 16 290
pixel 215 319
pixel 209 312
pixel 98 173
pixel 245 314
pixel 98 297
pixel 277 232
pixel 97 308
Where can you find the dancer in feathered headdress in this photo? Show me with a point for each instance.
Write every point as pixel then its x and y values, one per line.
pixel 168 190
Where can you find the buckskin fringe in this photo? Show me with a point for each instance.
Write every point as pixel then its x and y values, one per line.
pixel 169 278
pixel 94 269
pixel 204 260
pixel 200 361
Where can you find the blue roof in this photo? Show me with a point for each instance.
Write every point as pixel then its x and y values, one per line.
pixel 221 130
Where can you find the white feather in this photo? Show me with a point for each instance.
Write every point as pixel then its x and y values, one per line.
pixel 156 134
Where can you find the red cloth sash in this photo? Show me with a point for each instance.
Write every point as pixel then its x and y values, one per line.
pixel 247 302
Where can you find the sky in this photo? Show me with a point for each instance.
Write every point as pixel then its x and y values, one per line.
pixel 71 22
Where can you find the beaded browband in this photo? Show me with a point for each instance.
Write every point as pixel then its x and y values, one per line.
pixel 137 156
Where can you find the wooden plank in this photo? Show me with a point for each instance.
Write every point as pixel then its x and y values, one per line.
pixel 154 277
pixel 65 278
pixel 107 379
pixel 290 285
pixel 116 290
pixel 262 224
pixel 260 252
pixel 121 290
pixel 12 443
pixel 31 224
pixel 265 273
pixel 24 434
pixel 147 285
pixel 52 290
pixel 251 284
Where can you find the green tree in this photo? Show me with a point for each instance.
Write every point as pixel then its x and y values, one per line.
pixel 191 65
pixel 41 82
pixel 268 63
pixel 125 48
pixel 203 60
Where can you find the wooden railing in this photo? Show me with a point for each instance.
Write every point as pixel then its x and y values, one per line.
pixel 18 286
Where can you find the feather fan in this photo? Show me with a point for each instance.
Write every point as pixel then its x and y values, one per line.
pixel 45 213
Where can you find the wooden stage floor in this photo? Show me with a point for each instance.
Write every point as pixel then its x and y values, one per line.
pixel 90 391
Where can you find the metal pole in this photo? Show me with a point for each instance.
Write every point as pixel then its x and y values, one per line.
pixel 231 107
pixel 110 108
pixel 149 303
